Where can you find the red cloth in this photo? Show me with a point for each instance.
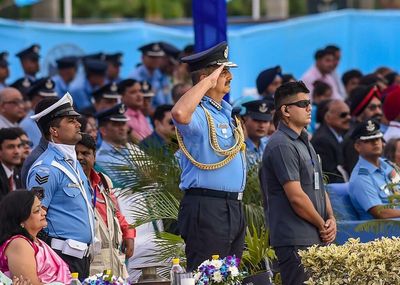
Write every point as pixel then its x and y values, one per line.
pixel 391 105
pixel 95 181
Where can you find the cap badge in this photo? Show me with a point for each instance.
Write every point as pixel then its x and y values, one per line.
pixel 263 108
pixel 35 49
pixel 113 87
pixel 226 52
pixel 156 47
pixel 121 109
pixel 26 83
pixel 49 84
pixel 145 86
pixel 370 126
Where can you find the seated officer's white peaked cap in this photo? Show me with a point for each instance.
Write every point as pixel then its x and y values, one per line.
pixel 60 108
pixel 216 55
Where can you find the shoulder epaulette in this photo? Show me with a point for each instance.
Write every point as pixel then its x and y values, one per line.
pixel 363 171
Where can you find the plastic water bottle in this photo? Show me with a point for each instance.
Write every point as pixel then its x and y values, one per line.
pixel 175 270
pixel 75 280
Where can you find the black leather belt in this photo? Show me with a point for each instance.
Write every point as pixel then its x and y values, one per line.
pixel 214 193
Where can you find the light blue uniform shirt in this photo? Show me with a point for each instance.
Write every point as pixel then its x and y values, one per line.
pixel 60 86
pixel 229 178
pixel 31 128
pixel 67 211
pixel 81 92
pixel 368 186
pixel 160 84
pixel 254 154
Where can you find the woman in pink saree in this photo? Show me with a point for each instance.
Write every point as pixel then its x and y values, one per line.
pixel 21 252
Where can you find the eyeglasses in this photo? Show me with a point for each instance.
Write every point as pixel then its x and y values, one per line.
pixel 15 102
pixel 171 123
pixel 343 115
pixel 300 104
pixel 373 107
pixel 38 192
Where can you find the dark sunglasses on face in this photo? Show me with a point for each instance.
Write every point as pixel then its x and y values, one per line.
pixel 171 123
pixel 300 104
pixel 343 115
pixel 373 107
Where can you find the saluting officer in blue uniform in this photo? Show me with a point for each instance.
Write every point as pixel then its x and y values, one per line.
pixel 212 159
pixel 257 120
pixel 67 68
pixel 4 71
pixel 373 178
pixel 68 196
pixel 42 88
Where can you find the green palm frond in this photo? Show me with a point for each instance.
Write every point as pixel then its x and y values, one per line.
pixel 153 205
pixel 379 226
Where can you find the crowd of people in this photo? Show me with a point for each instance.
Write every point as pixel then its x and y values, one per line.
pixel 61 134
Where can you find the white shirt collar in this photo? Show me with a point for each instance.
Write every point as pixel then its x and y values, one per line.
pixel 9 172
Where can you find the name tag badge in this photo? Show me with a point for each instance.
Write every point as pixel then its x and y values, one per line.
pixel 316 181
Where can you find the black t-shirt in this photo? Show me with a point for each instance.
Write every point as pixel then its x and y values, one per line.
pixel 290 157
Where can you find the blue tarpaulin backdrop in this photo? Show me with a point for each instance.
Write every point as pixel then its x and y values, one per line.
pixel 368 40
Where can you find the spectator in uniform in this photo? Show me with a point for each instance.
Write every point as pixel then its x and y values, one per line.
pixel 114 62
pixel 365 104
pixel 212 160
pixel 82 90
pixel 149 70
pixel 296 204
pixel 257 120
pixel 327 140
pixel 67 68
pixel 11 107
pixel 369 186
pixel 29 59
pixel 41 88
pixel 10 159
pixel 4 71
pixel 104 98
pixel 68 196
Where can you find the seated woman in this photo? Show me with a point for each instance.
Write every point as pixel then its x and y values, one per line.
pixel 21 252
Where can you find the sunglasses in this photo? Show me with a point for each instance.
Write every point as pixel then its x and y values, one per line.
pixel 38 192
pixel 300 104
pixel 373 107
pixel 171 123
pixel 344 115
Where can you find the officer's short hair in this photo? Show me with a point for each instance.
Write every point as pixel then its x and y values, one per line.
pixel 88 141
pixel 204 71
pixel 8 134
pixel 45 126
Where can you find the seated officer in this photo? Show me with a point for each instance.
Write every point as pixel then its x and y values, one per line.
pixel 257 120
pixel 371 177
pixel 68 197
pixel 29 58
pixel 105 97
pixel 212 159
pixel 67 68
pixel 41 88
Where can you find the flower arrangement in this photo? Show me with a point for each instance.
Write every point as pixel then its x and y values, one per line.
pixel 219 271
pixel 375 262
pixel 104 279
